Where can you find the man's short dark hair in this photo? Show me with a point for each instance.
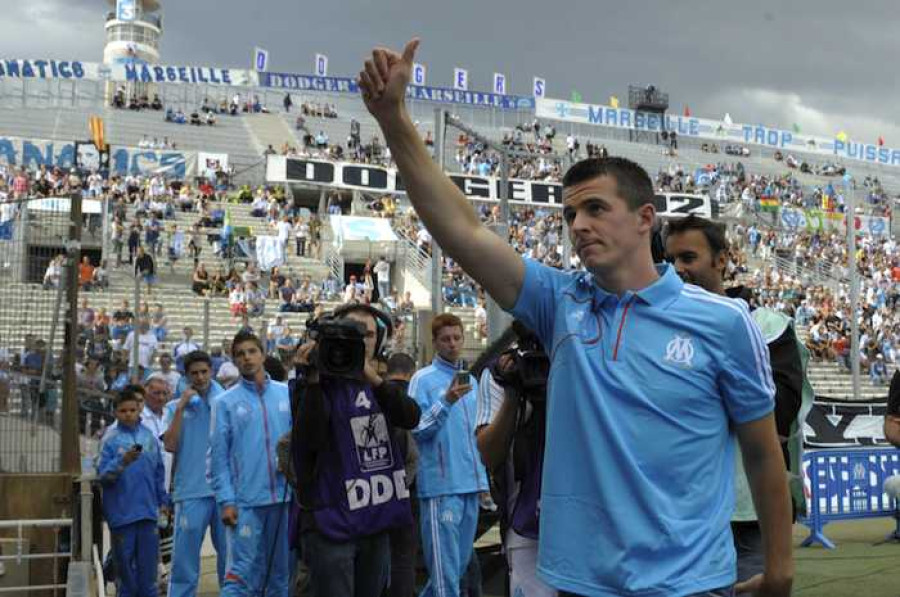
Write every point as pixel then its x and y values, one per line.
pixel 245 336
pixel 400 363
pixel 713 231
pixel 632 181
pixel 130 393
pixel 275 368
pixel 196 356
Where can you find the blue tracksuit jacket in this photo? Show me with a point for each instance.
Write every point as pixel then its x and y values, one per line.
pixel 134 492
pixel 449 463
pixel 244 433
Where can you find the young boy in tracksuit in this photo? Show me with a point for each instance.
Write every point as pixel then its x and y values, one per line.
pixel 133 479
pixel 187 424
pixel 247 422
pixel 451 475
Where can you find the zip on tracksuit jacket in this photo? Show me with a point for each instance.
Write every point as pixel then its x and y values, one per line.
pixel 449 463
pixel 244 433
pixel 134 492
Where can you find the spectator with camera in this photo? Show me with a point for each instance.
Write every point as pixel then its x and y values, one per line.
pixel 251 492
pixel 186 437
pixel 512 399
pixel 451 475
pixel 351 479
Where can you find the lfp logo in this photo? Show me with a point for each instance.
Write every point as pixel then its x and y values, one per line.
pixel 562 109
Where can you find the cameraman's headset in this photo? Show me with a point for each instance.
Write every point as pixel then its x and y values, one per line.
pixel 384 326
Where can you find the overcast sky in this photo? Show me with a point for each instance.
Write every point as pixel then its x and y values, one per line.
pixel 823 64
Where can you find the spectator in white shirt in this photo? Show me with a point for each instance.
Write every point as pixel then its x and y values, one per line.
pixel 301 234
pixel 147 344
pixel 53 273
pixel 185 347
pixel 481 330
pixel 284 230
pixel 382 272
pixel 166 371
pixel 350 291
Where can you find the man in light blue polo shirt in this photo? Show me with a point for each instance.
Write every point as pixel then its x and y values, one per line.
pixel 650 380
pixel 186 424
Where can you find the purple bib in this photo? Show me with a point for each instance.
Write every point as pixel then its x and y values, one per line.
pixel 360 487
pixel 525 518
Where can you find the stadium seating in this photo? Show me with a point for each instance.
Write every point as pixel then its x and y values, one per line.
pixel 244 138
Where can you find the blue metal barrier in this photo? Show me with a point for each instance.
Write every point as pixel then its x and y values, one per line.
pixel 847 485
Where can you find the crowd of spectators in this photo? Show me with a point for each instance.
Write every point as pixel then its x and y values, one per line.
pixel 123 100
pixel 819 300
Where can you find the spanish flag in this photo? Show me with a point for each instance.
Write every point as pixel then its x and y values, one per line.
pixel 827 202
pixel 769 204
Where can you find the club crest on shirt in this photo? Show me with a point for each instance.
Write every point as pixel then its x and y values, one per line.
pixel 680 351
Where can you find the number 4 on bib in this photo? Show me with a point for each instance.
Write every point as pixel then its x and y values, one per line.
pixel 362 401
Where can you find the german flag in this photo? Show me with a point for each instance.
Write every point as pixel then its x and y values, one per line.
pixel 98 136
pixel 769 204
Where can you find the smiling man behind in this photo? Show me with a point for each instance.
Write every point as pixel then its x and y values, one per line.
pixel 650 379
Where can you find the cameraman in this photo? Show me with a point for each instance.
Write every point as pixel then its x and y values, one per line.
pixel 510 432
pixel 351 479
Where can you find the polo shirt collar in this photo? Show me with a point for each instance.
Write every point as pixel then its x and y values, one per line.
pixel 660 293
pixel 665 289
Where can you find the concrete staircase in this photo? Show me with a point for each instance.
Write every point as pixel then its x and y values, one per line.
pixel 269 129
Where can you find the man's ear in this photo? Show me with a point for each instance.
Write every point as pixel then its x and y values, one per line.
pixel 646 217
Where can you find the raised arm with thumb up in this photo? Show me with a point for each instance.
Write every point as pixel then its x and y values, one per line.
pixel 384 78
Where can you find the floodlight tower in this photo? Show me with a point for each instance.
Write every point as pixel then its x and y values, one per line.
pixel 133 32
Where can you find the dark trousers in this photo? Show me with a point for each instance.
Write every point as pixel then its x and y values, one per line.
pixel 404 545
pixel 136 553
pixel 358 568
pixel 749 547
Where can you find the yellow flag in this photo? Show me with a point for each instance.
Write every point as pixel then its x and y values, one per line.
pixel 97 129
pixel 841 136
pixel 613 101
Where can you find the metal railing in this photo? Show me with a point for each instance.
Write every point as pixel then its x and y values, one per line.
pixel 331 255
pixel 816 273
pixel 416 260
pixel 20 555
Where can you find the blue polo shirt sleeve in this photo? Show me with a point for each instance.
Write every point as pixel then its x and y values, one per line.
pixel 536 305
pixel 746 377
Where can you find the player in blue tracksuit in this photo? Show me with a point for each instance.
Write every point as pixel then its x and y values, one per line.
pixel 187 423
pixel 133 478
pixel 247 422
pixel 451 475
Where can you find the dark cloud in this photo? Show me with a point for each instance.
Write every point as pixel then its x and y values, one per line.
pixel 768 61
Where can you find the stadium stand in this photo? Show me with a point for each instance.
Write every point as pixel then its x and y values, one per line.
pixel 246 136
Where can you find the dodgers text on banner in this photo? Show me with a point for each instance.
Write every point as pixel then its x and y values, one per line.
pixel 345 175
